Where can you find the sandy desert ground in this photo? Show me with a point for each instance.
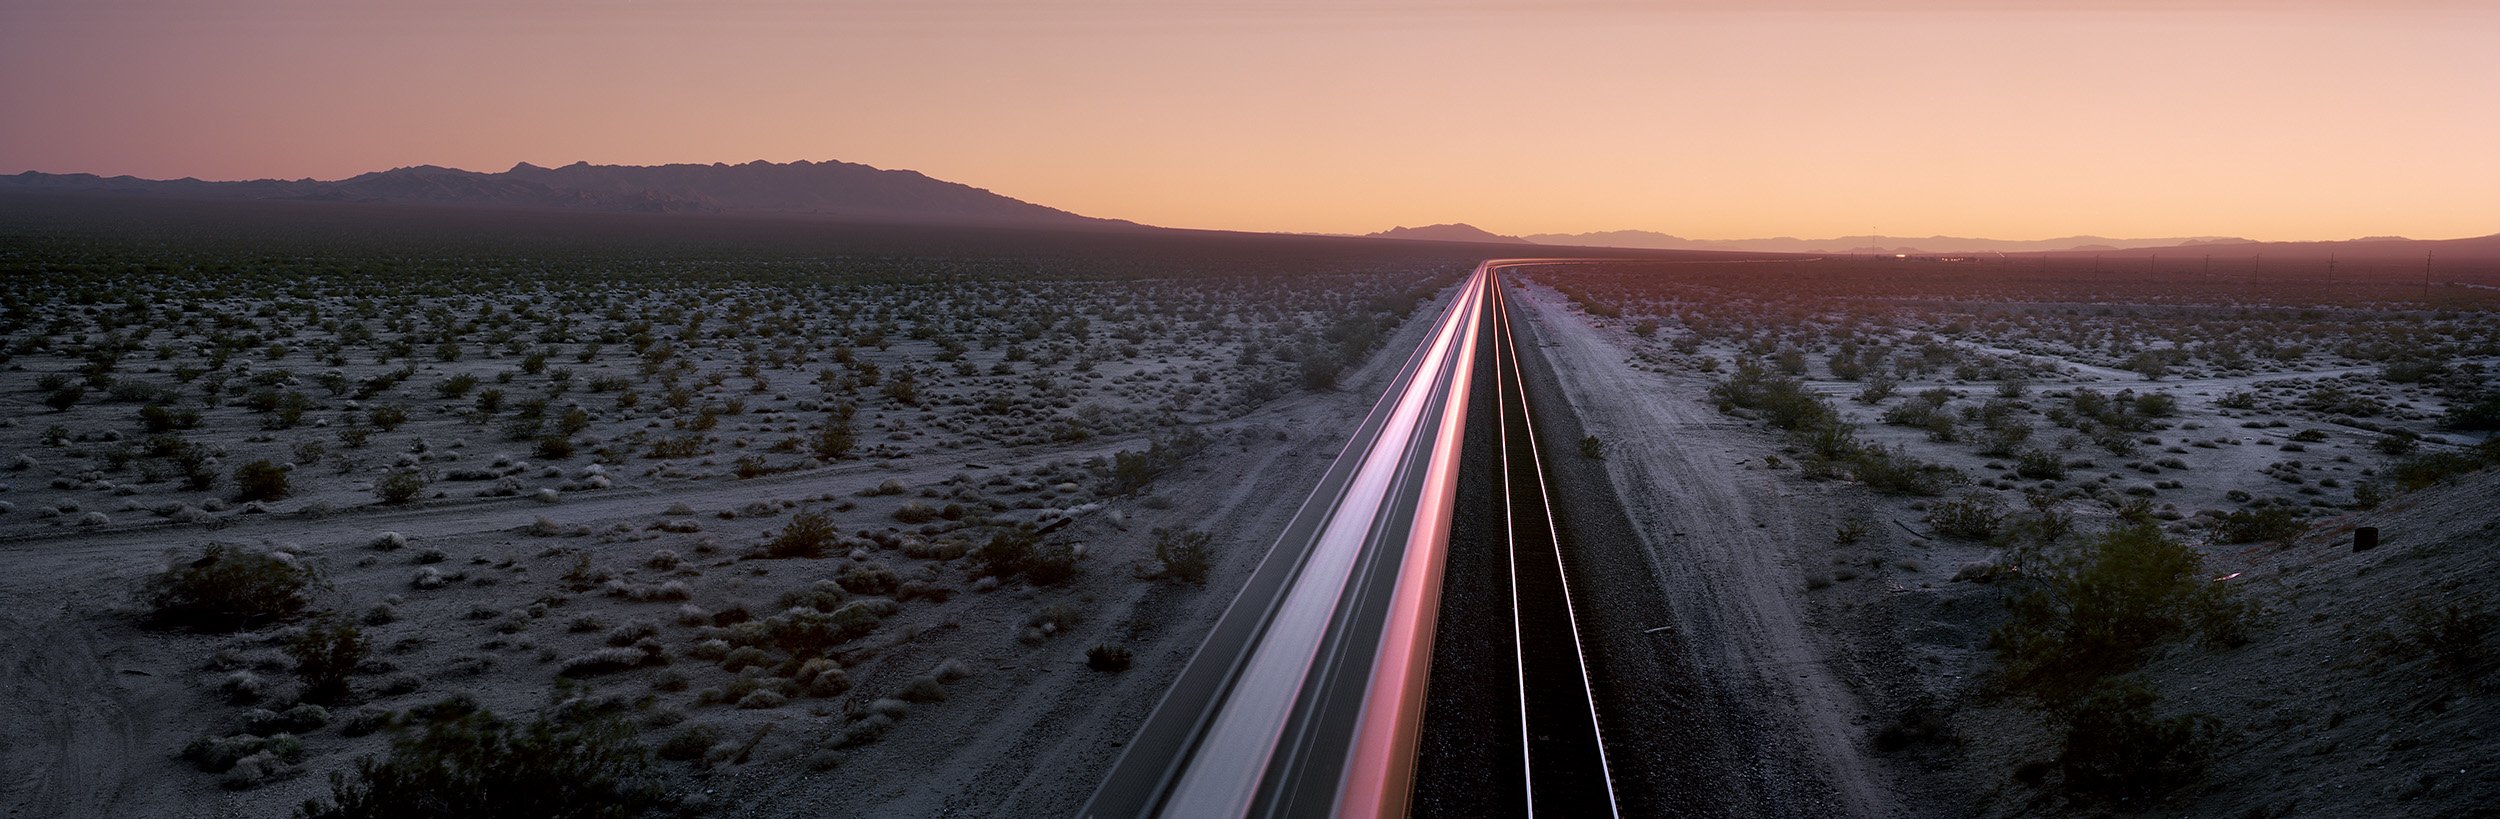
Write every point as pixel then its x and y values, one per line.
pixel 1851 599
pixel 863 544
pixel 928 536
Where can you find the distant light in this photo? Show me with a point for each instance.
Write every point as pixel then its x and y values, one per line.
pixel 1900 255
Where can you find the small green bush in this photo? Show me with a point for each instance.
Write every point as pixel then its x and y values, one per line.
pixel 2258 525
pixel 228 589
pixel 2456 635
pixel 1184 554
pixel 808 535
pixel 1108 657
pixel 2096 608
pixel 325 656
pixel 1971 517
pixel 868 578
pixel 2040 465
pixel 1018 552
pixel 218 755
pixel 479 766
pixel 399 487
pixel 63 399
pixel 2116 749
pixel 388 417
pixel 2431 469
pixel 1894 471
pixel 2480 411
pixel 260 481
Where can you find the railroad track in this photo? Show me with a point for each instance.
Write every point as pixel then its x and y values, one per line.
pixel 1564 755
pixel 1307 697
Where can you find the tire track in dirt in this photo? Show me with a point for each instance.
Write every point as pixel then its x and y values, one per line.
pixel 1722 548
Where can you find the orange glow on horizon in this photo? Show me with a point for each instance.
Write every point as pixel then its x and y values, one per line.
pixel 1705 119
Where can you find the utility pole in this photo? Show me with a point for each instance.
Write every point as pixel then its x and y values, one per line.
pixel 2426 275
pixel 2330 270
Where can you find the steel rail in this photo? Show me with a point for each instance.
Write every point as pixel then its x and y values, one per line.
pixel 1556 753
pixel 1306 697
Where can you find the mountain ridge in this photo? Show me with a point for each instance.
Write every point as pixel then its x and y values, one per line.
pixel 1653 240
pixel 832 189
pixel 1449 232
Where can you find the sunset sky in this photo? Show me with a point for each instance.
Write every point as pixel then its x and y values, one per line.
pixel 2324 119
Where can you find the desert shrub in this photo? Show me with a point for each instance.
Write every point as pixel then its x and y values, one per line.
pixel 922 689
pixel 1184 554
pixel 2332 399
pixel 1970 517
pixel 916 512
pixel 456 386
pixel 2256 525
pixel 1018 552
pixel 227 589
pixel 1591 448
pixel 62 399
pixel 2456 636
pixel 553 448
pixel 683 446
pixel 1132 470
pixel 399 487
pixel 808 534
pixel 1895 471
pixel 821 677
pixel 388 417
pixel 479 766
pixel 605 661
pixel 1319 369
pixel 260 481
pixel 868 578
pixel 2156 405
pixel 689 744
pixel 217 755
pixel 2117 749
pixel 326 654
pixel 2480 411
pixel 2430 469
pixel 301 719
pixel 824 595
pixel 803 632
pixel 1005 553
pixel 1108 657
pixel 834 440
pixel 2040 465
pixel 1917 415
pixel 1784 402
pixel 1050 564
pixel 162 418
pixel 2096 608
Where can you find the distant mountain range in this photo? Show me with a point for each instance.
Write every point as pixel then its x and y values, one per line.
pixel 1461 232
pixel 832 189
pixel 1651 240
pixel 851 192
pixel 1867 244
